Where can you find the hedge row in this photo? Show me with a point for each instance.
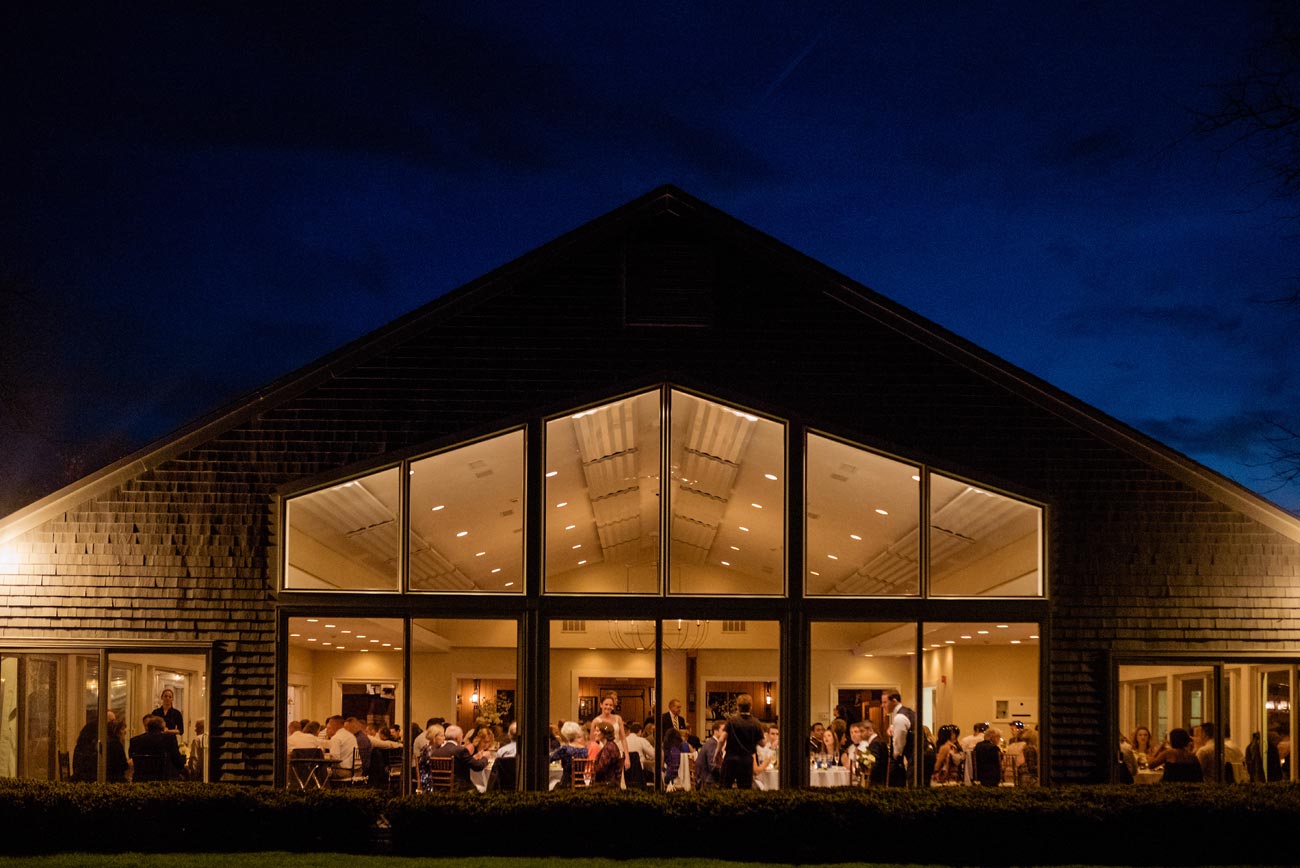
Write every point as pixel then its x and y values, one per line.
pixel 1159 825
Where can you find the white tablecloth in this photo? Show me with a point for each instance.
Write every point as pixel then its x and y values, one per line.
pixel 767 780
pixel 837 776
pixel 1149 776
pixel 480 778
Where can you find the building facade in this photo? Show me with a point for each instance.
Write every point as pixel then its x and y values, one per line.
pixel 666 457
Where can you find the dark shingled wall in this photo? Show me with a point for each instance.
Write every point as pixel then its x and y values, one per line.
pixel 1137 560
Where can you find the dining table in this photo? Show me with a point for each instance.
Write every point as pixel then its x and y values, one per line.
pixel 311 773
pixel 768 779
pixel 1149 776
pixel 835 776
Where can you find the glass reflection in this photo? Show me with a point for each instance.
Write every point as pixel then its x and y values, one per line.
pixel 467 518
pixel 982 543
pixel 862 522
pixel 728 500
pixel 345 537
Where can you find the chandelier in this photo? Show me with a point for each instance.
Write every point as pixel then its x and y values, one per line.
pixel 680 634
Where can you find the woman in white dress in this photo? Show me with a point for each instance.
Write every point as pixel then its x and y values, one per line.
pixel 607 715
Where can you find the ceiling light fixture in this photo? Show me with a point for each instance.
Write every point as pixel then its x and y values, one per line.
pixel 882 512
pixel 771 476
pixel 438 507
pixel 552 473
pixel 742 527
pixel 855 536
pixel 757 505
pixel 462 533
pixel 562 504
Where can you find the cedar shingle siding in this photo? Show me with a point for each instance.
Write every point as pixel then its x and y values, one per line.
pixel 1138 560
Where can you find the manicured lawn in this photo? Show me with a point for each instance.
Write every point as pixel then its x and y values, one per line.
pixel 342 860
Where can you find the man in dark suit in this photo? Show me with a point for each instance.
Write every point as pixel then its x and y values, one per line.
pixel 877 748
pixel 155 754
pixel 672 718
pixel 465 762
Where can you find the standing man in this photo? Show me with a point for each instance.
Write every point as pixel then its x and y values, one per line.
pixel 902 722
pixel 672 718
pixel 743 738
pixel 708 759
pixel 875 745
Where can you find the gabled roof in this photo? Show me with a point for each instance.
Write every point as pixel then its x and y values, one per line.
pixel 665 200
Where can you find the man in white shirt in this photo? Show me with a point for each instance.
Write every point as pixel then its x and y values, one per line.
pixel 637 743
pixel 306 737
pixel 902 720
pixel 511 747
pixel 968 743
pixel 343 746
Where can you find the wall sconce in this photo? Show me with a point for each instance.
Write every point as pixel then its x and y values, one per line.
pixel 767 692
pixel 473 697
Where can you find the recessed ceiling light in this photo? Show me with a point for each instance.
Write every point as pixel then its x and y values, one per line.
pixel 578 546
pixel 311 640
pixel 365 650
pixel 882 512
pixel 387 645
pixel 374 641
pixel 965 637
pixel 734 548
pixel 562 504
pixel 479 554
pixel 329 626
pixel 580 563
pixel 814 572
pixel 294 635
pixel 438 507
pixel 949 642
pixel 833 557
pixel 340 648
pixel 496 569
pixel 934 645
pixel 1015 641
pixel 462 533
pixel 742 527
pixel 327 643
pixel 345 631
pixel 915 478
pixel 1033 637
pixel 771 476
pixel 312 620
pixel 1003 626
pixel 361 635
pixel 552 473
pixel 570 527
pixel 510 584
pixel 868 655
pixel 410 473
pixel 855 536
pixel 726 563
pixel 911 653
pixel 757 505
pixel 398 648
pixel 982 632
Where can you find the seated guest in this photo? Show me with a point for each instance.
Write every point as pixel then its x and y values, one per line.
pixel 572 746
pixel 708 762
pixel 464 760
pixel 358 730
pixel 948 758
pixel 307 737
pixel 1178 760
pixel 118 764
pixel 432 739
pixel 988 759
pixel 831 746
pixel 1203 743
pixel 154 753
pixel 816 744
pixel 673 748
pixel 643 751
pixel 607 770
pixel 85 754
pixel 511 746
pixel 1027 762
pixel 342 746
pixel 769 751
pixel 196 762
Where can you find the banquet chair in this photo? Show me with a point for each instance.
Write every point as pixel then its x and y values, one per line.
pixel 503 774
pixel 440 774
pixel 580 777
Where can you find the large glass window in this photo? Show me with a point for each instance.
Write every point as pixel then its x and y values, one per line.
pixel 980 684
pixel 728 500
pixel 345 537
pixel 856 667
pixel 49 705
pixel 169 686
pixel 602 499
pixel 862 522
pixel 982 543
pixel 467 518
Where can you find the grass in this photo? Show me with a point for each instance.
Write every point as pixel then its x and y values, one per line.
pixel 343 860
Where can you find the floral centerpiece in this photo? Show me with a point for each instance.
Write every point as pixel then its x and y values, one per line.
pixel 863 762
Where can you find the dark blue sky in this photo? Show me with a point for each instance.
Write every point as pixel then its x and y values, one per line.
pixel 201 201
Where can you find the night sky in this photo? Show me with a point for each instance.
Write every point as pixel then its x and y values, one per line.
pixel 200 200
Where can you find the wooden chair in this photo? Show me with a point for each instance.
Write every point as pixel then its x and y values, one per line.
pixel 440 774
pixel 396 760
pixel 305 774
pixel 503 774
pixel 581 775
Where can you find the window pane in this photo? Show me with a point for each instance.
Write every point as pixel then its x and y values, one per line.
pixel 602 499
pixel 981 543
pixel 979 679
pixel 728 500
pixel 464 671
pixel 345 537
pixel 346 666
pixel 591 661
pixel 734 659
pixel 49 710
pixel 1162 706
pixel 467 518
pixel 172 687
pixel 862 522
pixel 855 666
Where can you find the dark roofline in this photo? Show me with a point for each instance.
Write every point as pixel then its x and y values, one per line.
pixel 666 198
